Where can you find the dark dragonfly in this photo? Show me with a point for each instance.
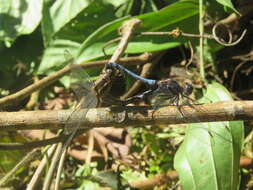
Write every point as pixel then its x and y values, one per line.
pixel 168 87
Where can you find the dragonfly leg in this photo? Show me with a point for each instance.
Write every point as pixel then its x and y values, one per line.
pixel 178 105
pixel 138 97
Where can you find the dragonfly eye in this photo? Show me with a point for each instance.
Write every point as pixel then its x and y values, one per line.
pixel 188 89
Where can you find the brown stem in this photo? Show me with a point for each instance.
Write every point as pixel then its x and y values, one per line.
pixel 128 115
pixel 20 95
pixel 102 85
pixel 146 69
pixel 35 144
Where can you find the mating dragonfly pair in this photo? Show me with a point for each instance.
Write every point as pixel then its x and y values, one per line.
pixel 83 89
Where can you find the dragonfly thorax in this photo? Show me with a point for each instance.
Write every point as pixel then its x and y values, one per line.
pixel 170 88
pixel 188 89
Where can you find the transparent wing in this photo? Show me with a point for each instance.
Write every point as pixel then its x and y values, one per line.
pixel 86 97
pixel 82 87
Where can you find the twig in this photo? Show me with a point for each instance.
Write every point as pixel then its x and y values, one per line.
pixel 108 43
pixel 26 160
pixel 128 115
pixel 127 29
pixel 34 96
pixel 49 176
pixel 201 40
pixel 39 171
pixel 35 144
pixel 144 73
pixel 20 95
pixel 234 73
pixel 177 33
pixel 230 43
pixel 154 181
pixel 60 167
pixel 90 148
pixel 190 60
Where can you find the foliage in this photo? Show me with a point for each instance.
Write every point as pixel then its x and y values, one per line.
pixel 34 35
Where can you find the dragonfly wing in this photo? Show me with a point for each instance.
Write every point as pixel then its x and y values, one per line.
pixel 82 87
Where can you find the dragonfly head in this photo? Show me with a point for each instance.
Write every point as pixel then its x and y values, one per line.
pixel 188 88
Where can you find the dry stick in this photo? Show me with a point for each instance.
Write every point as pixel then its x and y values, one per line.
pixel 234 74
pixel 128 115
pixel 25 161
pixel 177 33
pixel 39 171
pixel 60 167
pixel 49 176
pixel 217 39
pixel 144 73
pixel 159 179
pixel 90 147
pixel 36 144
pixel 127 31
pixel 18 96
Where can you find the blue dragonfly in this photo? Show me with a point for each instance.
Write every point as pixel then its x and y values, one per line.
pixel 169 88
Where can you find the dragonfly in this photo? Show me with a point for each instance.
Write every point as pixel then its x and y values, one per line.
pixel 169 88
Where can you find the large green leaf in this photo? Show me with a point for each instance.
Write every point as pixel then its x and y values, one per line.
pixel 53 58
pixel 210 154
pixel 73 34
pixel 76 18
pixel 59 14
pixel 179 14
pixel 18 17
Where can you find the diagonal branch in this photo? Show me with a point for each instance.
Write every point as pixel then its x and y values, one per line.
pixel 20 95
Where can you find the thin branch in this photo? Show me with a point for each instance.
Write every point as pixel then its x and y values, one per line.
pixel 128 115
pixel 49 176
pixel 36 144
pixel 46 81
pixel 25 161
pixel 39 171
pixel 127 30
pixel 201 40
pixel 144 73
pixel 229 43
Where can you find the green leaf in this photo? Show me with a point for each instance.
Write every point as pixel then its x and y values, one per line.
pixel 53 58
pixel 227 3
pixel 131 176
pixel 18 17
pixel 107 178
pixel 73 33
pixel 59 14
pixel 179 14
pixel 210 154
pixel 76 19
